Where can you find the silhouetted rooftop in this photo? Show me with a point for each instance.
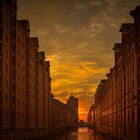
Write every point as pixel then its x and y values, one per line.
pixel 126 27
pixel 102 81
pixel 34 42
pixel 41 55
pixel 117 47
pixel 71 97
pixel 133 12
pixel 25 23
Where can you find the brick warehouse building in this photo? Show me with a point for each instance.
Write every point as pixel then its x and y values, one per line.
pixel 7 64
pixel 26 103
pixel 117 98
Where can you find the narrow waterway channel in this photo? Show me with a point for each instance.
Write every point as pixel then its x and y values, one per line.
pixel 82 133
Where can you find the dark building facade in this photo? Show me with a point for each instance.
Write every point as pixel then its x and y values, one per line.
pixel 7 64
pixel 22 37
pixel 117 102
pixel 26 101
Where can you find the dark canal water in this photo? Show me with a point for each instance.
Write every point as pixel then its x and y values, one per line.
pixel 82 133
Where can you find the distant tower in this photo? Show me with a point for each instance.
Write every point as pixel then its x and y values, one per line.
pixel 73 104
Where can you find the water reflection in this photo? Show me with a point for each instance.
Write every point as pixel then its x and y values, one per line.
pixel 82 133
pixel 85 134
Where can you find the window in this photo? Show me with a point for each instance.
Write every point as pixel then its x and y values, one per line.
pixel 6 113
pixel 138 121
pixel 6 38
pixel 1 33
pixel 18 40
pixel 14 75
pixel 6 98
pixel 128 116
pixel 14 89
pixel 0 66
pixel 14 21
pixel 139 116
pixel 0 82
pixel 133 116
pixel 128 100
pixel 22 94
pixel 139 95
pixel 6 83
pixel 18 114
pixel 138 63
pixel 6 23
pixel 18 64
pixel 14 48
pixel 6 53
pixel 13 118
pixel 0 52
pixel 14 61
pixel 0 96
pixel 22 56
pixel 6 68
pixel 22 45
pixel 1 16
pixel 14 34
pixel 22 68
pixel 18 52
pixel 138 78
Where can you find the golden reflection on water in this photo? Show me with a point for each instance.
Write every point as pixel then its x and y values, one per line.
pixel 85 134
pixel 82 133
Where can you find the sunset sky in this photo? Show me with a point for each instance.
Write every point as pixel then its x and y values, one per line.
pixel 77 36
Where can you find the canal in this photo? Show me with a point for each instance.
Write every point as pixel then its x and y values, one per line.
pixel 82 133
